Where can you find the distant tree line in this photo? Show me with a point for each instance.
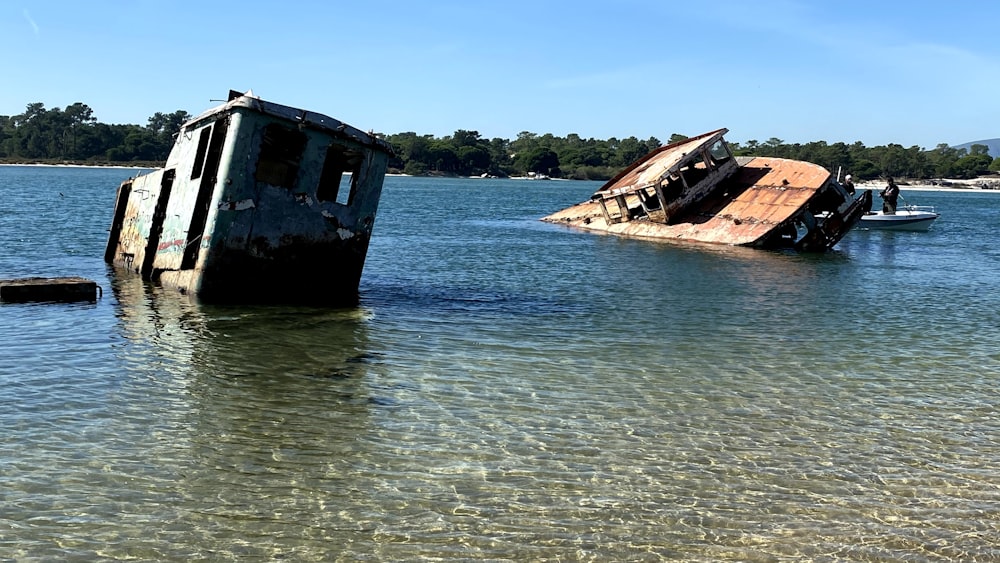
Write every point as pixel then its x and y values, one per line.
pixel 75 135
pixel 869 163
pixel 467 154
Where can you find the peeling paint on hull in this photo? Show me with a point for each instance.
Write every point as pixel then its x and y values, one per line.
pixel 257 203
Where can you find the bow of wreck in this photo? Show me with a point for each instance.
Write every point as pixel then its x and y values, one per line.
pixel 257 202
pixel 697 190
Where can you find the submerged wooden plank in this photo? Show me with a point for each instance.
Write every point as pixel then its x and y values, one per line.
pixel 63 289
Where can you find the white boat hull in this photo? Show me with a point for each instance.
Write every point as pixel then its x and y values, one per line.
pixel 909 218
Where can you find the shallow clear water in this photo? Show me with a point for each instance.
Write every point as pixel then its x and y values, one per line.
pixel 507 390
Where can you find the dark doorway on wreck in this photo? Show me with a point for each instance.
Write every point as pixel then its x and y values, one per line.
pixel 209 172
pixel 156 228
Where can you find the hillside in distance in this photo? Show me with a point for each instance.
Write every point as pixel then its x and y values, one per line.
pixel 993 144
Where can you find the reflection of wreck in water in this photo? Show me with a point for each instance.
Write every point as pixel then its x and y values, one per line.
pixel 232 386
pixel 257 202
pixel 288 343
pixel 696 190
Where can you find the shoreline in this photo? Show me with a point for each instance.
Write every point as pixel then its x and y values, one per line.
pixel 957 186
pixel 115 166
pixel 974 185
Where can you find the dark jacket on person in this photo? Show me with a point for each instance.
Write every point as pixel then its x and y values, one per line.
pixel 890 195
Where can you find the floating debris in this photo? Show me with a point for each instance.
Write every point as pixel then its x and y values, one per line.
pixel 65 289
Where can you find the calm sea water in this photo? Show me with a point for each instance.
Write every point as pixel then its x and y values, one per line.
pixel 507 390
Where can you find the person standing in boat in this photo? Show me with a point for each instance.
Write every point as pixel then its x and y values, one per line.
pixel 849 184
pixel 890 195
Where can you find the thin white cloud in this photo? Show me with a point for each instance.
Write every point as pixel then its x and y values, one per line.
pixel 31 22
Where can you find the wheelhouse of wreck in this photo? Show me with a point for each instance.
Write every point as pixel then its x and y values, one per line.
pixel 257 202
pixel 667 181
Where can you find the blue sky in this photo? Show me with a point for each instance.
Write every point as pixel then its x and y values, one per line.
pixel 914 73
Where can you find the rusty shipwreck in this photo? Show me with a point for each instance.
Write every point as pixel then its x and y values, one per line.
pixel 696 190
pixel 257 202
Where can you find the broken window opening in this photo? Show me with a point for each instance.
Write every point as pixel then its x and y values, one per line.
pixel 611 216
pixel 650 201
pixel 199 159
pixel 695 174
pixel 720 152
pixel 341 170
pixel 672 188
pixel 281 151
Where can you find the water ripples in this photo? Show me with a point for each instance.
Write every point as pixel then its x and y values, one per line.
pixel 510 390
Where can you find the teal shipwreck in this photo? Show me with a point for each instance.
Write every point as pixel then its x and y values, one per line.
pixel 257 202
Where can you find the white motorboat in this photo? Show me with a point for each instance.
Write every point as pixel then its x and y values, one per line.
pixel 906 218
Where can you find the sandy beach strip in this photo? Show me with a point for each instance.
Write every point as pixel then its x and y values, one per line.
pixel 976 185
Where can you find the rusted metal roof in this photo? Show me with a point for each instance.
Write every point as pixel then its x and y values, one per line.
pixel 781 190
pixel 660 162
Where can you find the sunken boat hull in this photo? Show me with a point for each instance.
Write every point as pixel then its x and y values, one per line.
pixel 257 202
pixel 696 190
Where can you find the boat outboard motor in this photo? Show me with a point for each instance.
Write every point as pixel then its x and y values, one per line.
pixel 866 201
